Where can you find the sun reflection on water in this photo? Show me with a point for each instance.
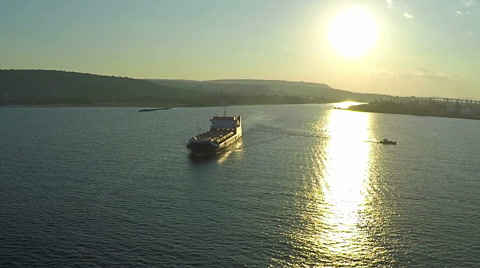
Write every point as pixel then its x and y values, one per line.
pixel 346 175
pixel 336 200
pixel 236 148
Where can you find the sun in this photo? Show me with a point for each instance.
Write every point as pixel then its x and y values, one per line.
pixel 353 33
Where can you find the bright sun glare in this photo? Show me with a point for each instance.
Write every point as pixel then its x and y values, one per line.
pixel 353 33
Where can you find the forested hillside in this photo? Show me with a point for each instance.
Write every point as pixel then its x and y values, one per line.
pixel 60 87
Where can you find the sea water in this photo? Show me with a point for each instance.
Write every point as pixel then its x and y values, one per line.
pixel 306 186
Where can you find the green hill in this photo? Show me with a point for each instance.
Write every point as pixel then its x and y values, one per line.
pixel 48 87
pixel 60 87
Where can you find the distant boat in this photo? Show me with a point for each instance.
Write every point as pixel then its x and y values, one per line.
pixel 224 131
pixel 387 141
pixel 152 109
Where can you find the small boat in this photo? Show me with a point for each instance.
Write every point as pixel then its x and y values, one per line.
pixel 387 141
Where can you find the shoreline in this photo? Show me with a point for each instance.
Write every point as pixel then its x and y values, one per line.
pixel 141 105
pixel 91 106
pixel 368 108
pixel 149 108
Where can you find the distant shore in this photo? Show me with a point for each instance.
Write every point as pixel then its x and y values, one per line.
pixel 156 105
pixel 414 109
pixel 60 105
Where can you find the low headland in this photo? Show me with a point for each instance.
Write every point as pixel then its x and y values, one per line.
pixel 439 107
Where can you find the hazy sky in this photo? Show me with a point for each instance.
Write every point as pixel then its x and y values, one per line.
pixel 423 47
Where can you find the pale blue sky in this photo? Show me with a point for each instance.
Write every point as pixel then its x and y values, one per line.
pixel 424 47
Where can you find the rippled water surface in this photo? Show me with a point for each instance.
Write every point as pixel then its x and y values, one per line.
pixel 307 186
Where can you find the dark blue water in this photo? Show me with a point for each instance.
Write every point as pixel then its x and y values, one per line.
pixel 307 186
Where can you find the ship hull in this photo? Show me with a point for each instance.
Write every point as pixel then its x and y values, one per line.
pixel 203 147
pixel 223 132
pixel 209 147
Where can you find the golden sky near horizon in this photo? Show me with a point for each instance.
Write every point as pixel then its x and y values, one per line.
pixel 421 48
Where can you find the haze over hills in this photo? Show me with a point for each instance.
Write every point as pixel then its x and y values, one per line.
pixel 50 87
pixel 255 87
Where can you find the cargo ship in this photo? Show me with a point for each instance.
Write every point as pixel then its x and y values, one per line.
pixel 224 131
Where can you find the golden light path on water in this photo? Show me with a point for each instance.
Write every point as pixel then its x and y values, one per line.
pixel 346 175
pixel 339 207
